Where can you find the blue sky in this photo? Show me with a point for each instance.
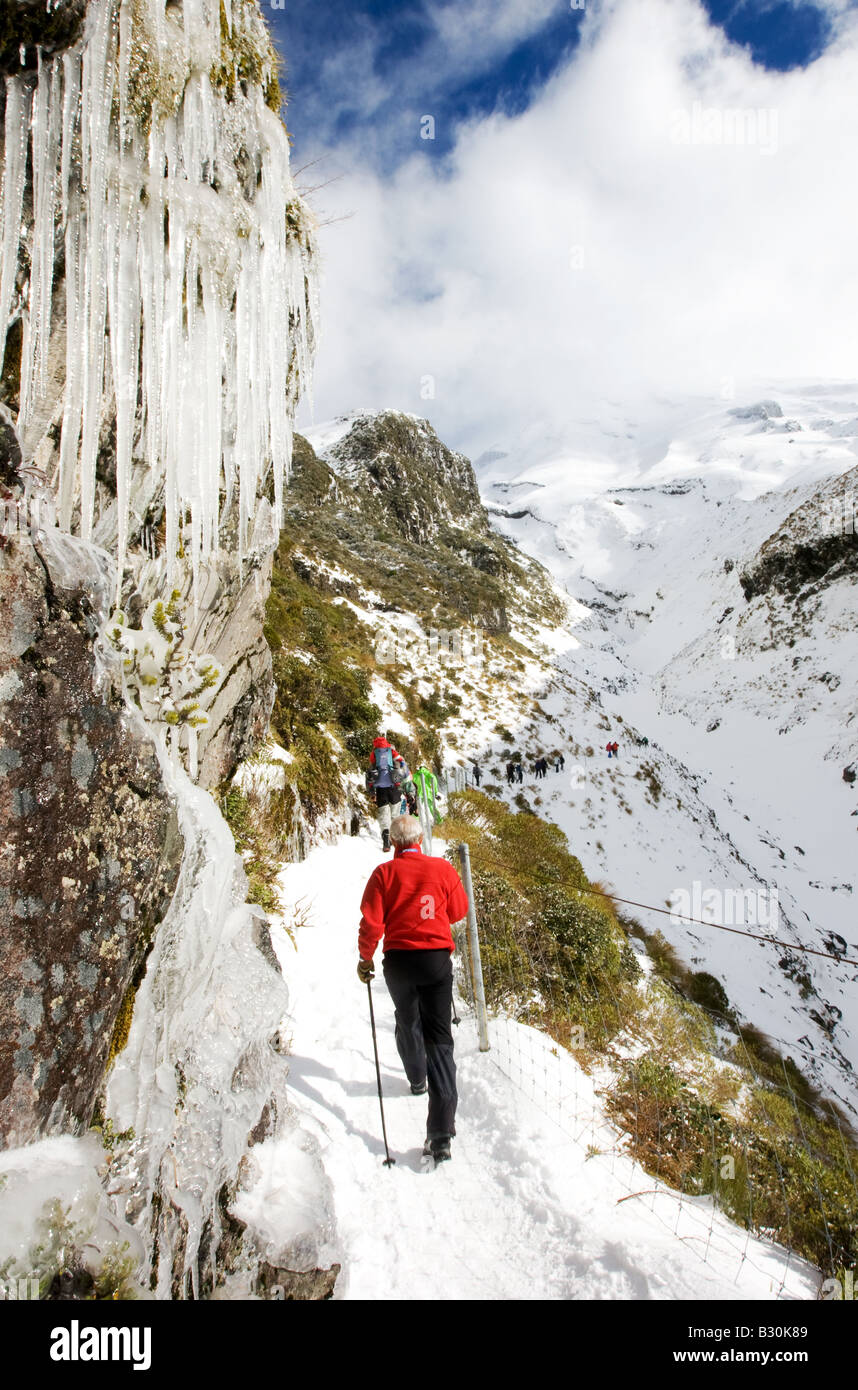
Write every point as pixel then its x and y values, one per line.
pixel 366 70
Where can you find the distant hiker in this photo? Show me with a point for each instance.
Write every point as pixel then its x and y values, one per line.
pixel 384 777
pixel 559 763
pixel 426 786
pixel 408 796
pixel 644 742
pixel 411 901
pixel 477 774
pixel 510 773
pixel 615 748
pixel 519 772
pixel 610 749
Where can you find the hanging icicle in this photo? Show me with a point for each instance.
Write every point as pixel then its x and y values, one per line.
pixel 189 264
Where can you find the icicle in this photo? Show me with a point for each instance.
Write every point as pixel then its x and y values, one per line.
pixel 124 307
pixel 72 406
pixel 124 68
pixel 17 122
pixel 97 96
pixel 185 290
pixel 151 262
pixel 71 111
pixel 37 322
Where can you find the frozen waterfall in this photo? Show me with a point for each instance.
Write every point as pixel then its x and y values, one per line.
pixel 189 263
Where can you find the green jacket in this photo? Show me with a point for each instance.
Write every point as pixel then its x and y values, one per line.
pixel 427 789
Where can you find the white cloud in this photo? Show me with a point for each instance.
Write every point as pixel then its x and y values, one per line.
pixel 476 31
pixel 579 251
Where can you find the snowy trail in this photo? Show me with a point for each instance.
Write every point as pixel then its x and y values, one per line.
pixel 521 1212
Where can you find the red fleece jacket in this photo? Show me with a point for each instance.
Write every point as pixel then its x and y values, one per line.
pixel 410 901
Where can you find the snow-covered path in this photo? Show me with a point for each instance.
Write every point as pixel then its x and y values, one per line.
pixel 521 1212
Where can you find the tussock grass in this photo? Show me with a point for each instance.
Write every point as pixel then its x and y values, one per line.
pixel 742 1125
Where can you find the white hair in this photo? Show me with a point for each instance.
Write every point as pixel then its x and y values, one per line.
pixel 405 830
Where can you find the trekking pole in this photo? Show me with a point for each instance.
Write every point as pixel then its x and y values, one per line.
pixel 388 1161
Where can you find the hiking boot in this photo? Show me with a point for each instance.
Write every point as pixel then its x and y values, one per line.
pixel 385 839
pixel 421 1089
pixel 439 1149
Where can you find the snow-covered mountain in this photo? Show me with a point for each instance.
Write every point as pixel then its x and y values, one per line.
pixel 715 566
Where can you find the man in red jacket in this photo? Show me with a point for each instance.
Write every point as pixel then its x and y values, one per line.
pixel 411 900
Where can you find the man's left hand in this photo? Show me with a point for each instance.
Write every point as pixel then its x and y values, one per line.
pixel 366 971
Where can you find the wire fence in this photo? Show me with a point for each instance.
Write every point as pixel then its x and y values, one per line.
pixel 775 1194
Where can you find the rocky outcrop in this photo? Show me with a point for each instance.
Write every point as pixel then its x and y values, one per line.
pixel 815 546
pixel 29 25
pixel 390 509
pixel 225 621
pixel 316 1285
pixel 399 462
pixel 90 846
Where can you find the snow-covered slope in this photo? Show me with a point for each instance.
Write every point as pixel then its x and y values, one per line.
pixel 715 562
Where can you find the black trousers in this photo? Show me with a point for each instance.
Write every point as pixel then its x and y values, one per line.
pixel 420 984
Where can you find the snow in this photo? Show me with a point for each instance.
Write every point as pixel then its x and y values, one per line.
pixel 40 1181
pixel 522 1212
pixel 666 645
pixel 183 321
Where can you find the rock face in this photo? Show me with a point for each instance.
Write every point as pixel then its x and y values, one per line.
pixel 90 846
pixel 816 546
pixel 28 25
pixel 231 617
pixel 420 484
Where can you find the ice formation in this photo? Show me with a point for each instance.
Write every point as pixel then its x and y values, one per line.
pixel 189 275
pixel 203 1056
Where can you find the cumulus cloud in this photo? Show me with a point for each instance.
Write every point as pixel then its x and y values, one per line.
pixel 666 218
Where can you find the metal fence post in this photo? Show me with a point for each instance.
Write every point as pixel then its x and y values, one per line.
pixel 474 944
pixel 425 821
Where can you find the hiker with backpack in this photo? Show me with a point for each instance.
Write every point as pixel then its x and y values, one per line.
pixel 477 775
pixel 408 795
pixel 384 778
pixel 411 901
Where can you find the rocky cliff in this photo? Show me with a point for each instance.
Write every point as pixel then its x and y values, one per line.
pixel 153 248
pixel 90 840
